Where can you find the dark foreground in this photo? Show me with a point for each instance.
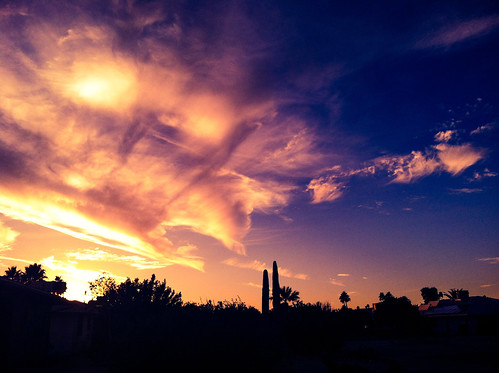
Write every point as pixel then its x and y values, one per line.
pixel 424 354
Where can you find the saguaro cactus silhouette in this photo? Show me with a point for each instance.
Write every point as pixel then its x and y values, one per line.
pixel 276 290
pixel 265 292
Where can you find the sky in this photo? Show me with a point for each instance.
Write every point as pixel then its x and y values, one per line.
pixel 354 144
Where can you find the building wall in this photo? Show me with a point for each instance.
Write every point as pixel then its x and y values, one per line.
pixel 70 332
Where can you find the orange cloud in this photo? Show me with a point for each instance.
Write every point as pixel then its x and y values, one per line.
pixel 116 143
pixel 455 159
pixel 325 189
pixel 408 168
pixel 451 158
pixel 7 237
pixel 445 136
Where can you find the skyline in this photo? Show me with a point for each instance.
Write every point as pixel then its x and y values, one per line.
pixel 356 146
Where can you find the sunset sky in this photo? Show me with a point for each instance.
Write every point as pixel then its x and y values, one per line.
pixel 356 145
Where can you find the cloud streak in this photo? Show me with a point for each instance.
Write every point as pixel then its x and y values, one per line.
pixel 490 260
pixel 458 32
pixel 259 266
pixel 335 282
pixel 105 256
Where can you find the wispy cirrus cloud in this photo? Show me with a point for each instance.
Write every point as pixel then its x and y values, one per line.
pixel 494 260
pixel 255 265
pixel 481 175
pixel 457 32
pixel 259 266
pixel 466 190
pixel 16 259
pixel 335 282
pixel 331 186
pixel 252 284
pixel 485 128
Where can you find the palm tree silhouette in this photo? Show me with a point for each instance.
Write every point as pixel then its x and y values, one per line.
pixel 34 272
pixel 344 298
pixel 289 295
pixel 12 273
pixel 453 293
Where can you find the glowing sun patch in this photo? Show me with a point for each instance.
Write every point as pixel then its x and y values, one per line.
pixel 108 86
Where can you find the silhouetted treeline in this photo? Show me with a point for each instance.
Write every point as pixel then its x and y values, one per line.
pixel 230 336
pixel 145 324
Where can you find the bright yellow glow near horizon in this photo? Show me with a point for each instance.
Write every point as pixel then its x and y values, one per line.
pixel 65 221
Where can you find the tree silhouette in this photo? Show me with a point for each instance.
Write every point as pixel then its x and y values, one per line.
pixel 34 272
pixel 344 298
pixel 12 273
pixel 103 286
pixel 59 286
pixel 138 293
pixel 396 313
pixel 383 296
pixel 289 295
pixel 430 294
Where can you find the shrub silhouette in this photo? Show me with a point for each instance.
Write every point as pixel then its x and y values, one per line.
pixel 430 294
